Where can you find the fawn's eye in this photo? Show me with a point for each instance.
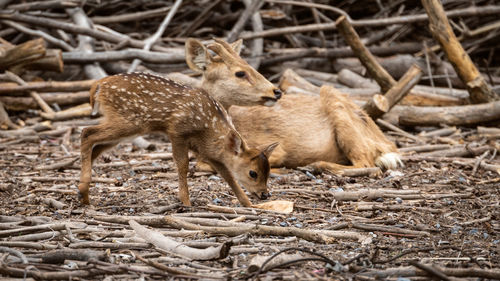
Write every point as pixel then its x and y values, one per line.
pixel 253 174
pixel 240 74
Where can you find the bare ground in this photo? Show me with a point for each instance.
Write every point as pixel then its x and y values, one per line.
pixel 434 213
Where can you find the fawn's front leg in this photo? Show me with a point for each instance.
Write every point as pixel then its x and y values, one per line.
pixel 237 189
pixel 180 154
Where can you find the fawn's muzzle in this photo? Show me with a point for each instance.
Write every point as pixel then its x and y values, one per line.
pixel 264 195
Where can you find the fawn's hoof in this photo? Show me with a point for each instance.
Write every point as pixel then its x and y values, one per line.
pixel 84 198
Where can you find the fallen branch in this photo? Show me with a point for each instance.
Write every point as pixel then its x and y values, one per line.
pixel 309 235
pixel 375 70
pixel 450 115
pixel 440 28
pixel 165 243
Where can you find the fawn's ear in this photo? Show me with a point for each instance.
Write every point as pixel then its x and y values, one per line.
pixel 235 143
pixel 197 55
pixel 236 46
pixel 267 150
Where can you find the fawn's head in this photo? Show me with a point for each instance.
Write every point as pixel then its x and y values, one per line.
pixel 249 166
pixel 227 77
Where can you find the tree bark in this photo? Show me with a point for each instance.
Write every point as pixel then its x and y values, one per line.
pixel 383 78
pixel 451 115
pixel 441 30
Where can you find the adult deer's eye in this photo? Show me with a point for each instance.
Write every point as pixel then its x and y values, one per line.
pixel 240 74
pixel 253 174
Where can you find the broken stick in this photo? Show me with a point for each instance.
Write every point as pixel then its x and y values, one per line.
pixel 441 30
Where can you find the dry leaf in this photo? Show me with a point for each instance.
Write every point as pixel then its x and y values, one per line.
pixel 281 206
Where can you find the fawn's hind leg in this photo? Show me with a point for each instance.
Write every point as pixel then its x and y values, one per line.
pixel 94 140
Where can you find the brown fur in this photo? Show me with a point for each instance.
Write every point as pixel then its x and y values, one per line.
pixel 328 132
pixel 219 75
pixel 138 103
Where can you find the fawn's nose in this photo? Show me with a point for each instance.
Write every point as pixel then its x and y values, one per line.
pixel 277 93
pixel 264 195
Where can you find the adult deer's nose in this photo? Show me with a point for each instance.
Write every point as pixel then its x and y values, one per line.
pixel 277 93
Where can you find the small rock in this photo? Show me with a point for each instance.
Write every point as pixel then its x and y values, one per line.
pixel 71 265
pixel 214 178
pixel 399 200
pixel 380 199
pixel 456 229
pixel 308 174
pixel 473 231
pixel 298 225
pixel 395 173
pixel 283 224
pixel 217 201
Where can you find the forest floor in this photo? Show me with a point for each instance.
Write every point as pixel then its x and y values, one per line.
pixel 437 213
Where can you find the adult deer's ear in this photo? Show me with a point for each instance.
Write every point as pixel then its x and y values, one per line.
pixel 197 55
pixel 236 46
pixel 267 150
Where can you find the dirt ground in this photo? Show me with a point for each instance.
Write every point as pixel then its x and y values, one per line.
pixel 438 214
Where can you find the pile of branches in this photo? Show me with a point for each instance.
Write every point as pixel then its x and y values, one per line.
pixel 399 60
pixel 85 40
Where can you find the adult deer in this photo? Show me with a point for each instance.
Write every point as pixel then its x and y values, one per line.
pixel 328 132
pixel 193 119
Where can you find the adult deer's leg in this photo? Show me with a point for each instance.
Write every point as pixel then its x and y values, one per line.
pixel 181 157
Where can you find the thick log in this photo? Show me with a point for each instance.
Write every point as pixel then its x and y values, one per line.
pixel 383 78
pixel 451 115
pixel 52 61
pixel 395 94
pixel 291 78
pixel 441 30
pixel 61 99
pixel 41 103
pixel 377 106
pixel 354 80
pixel 175 55
pixel 21 54
pixel 442 71
pixel 79 111
pixel 404 85
pixel 292 83
pixel 14 89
